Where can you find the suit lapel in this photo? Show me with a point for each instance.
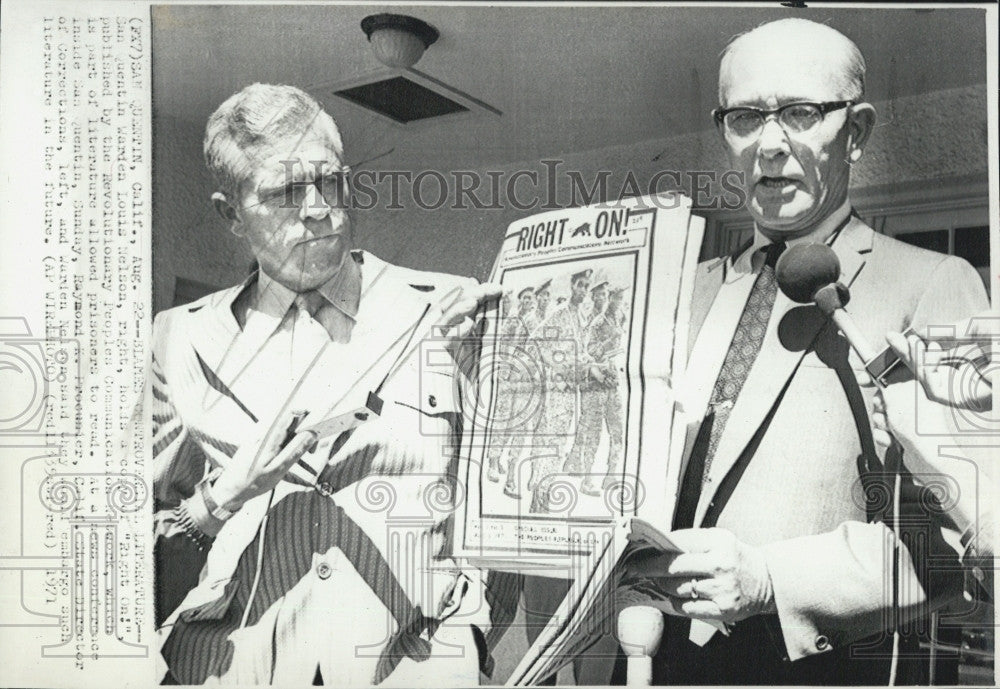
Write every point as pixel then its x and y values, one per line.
pixel 226 351
pixel 728 291
pixel 775 363
pixel 390 312
pixel 852 248
pixel 714 338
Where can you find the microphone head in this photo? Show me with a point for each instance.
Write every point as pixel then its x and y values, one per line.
pixel 805 268
pixel 640 628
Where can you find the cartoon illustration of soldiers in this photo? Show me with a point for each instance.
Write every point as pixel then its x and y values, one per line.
pixel 561 349
pixel 514 380
pixel 600 389
pixel 532 398
pixel 542 296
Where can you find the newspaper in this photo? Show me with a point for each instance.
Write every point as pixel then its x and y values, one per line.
pixel 77 282
pixel 596 595
pixel 575 420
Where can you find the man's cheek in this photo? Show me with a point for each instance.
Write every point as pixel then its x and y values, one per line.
pixel 812 166
pixel 742 160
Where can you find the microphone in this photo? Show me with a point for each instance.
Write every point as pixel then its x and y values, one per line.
pixel 639 630
pixel 808 273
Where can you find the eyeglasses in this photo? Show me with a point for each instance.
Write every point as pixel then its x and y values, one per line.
pixel 745 122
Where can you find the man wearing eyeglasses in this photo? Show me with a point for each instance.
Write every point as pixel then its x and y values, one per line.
pixel 784 509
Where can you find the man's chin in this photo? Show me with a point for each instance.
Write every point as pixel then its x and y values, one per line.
pixel 781 220
pixel 306 280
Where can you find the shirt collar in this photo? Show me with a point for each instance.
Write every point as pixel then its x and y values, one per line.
pixel 274 299
pixel 752 259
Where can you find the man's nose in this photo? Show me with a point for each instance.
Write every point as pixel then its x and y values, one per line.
pixel 313 205
pixel 773 140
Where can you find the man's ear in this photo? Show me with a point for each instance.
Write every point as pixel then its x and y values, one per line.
pixel 862 118
pixel 227 211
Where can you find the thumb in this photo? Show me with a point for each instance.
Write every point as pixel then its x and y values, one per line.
pixel 276 434
pixel 490 291
pixel 299 445
pixel 900 346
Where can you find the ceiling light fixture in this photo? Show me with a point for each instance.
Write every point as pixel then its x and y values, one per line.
pixel 399 41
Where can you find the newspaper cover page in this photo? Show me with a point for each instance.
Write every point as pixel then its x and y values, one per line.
pixel 576 411
pixel 342 343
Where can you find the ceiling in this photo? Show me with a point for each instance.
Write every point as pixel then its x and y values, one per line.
pixel 566 78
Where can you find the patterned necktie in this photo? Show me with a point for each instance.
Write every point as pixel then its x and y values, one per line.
pixel 739 359
pixel 317 307
pixel 310 302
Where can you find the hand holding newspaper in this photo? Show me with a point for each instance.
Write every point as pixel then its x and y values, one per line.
pixel 592 605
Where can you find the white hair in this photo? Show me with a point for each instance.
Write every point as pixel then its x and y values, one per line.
pixel 251 121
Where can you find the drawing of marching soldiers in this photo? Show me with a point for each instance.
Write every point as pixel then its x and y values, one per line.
pixel 517 382
pixel 542 296
pixel 600 390
pixel 561 348
pixel 525 402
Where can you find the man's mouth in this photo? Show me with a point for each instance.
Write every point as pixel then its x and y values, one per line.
pixel 317 240
pixel 775 182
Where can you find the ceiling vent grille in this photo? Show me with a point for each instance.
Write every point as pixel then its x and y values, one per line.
pixel 407 97
pixel 401 100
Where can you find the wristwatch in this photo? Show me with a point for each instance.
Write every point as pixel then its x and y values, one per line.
pixel 215 509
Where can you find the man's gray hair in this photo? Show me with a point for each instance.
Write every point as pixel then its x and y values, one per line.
pixel 240 132
pixel 851 76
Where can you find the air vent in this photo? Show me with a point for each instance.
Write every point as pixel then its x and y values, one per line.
pixel 409 97
pixel 401 100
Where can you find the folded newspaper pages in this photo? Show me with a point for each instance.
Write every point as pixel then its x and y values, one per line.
pixel 590 609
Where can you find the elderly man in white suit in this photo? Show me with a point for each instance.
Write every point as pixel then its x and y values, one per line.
pixel 290 558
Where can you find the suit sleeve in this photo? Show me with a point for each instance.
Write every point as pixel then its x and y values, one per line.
pixel 955 291
pixel 834 588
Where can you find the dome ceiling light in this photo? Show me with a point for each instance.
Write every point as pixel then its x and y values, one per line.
pixel 399 41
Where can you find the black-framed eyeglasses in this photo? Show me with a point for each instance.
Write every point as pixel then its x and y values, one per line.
pixel 746 122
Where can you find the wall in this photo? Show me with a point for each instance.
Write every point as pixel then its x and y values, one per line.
pixel 923 147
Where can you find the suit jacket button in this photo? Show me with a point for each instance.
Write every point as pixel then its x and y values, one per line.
pixel 323 570
pixel 822 643
pixel 432 400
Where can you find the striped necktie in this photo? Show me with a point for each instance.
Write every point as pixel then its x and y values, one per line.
pixel 743 351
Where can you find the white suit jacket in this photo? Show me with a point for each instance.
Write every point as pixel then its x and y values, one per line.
pixel 301 579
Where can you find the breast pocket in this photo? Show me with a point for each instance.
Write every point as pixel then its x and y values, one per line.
pixel 427 390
